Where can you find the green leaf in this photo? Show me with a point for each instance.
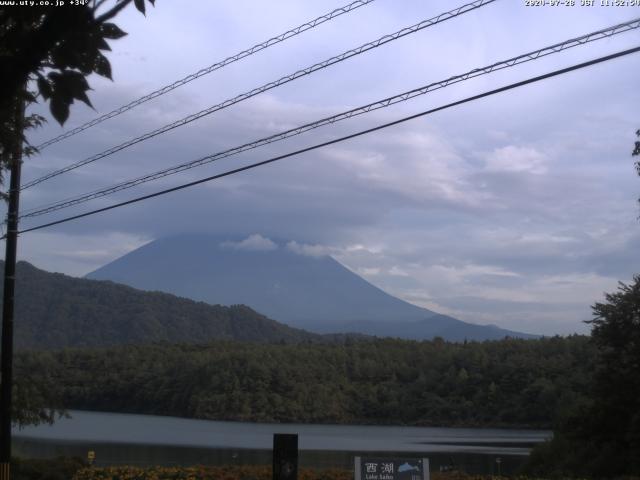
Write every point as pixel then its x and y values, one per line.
pixel 82 96
pixel 102 66
pixel 59 109
pixel 66 87
pixel 111 31
pixel 140 5
pixel 61 89
pixel 78 86
pixel 44 87
pixel 63 56
pixel 34 121
pixel 102 44
pixel 75 85
pixel 86 62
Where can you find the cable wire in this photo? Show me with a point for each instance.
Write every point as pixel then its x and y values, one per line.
pixel 527 57
pixel 211 68
pixel 268 86
pixel 341 139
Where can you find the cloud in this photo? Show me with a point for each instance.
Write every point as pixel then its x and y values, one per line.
pixel 309 250
pixel 76 254
pixel 514 158
pixel 369 272
pixel 254 242
pixel 416 167
pixel 398 272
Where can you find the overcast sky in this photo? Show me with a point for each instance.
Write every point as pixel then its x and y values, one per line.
pixel 519 209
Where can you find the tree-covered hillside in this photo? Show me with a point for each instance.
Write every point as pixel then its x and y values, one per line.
pixel 56 311
pixel 498 383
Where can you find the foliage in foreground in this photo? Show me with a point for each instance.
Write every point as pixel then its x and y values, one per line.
pixel 602 438
pixel 76 469
pixel 258 472
pixel 62 468
pixel 241 473
pixel 58 48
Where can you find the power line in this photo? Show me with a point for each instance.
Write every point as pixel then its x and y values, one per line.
pixel 268 86
pixel 558 47
pixel 211 68
pixel 342 139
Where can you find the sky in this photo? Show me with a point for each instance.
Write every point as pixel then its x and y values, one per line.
pixel 518 210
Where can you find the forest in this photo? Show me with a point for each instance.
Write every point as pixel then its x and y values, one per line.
pixel 58 311
pixel 508 383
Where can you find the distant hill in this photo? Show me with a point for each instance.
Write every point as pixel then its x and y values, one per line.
pixel 312 292
pixel 55 311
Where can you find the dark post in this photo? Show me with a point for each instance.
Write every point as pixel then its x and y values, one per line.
pixel 9 289
pixel 285 456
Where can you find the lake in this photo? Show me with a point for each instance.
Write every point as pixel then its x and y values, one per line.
pixel 155 440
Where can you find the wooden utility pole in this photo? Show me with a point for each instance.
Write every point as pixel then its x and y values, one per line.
pixel 15 166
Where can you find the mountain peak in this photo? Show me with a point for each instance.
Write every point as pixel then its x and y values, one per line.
pixel 291 282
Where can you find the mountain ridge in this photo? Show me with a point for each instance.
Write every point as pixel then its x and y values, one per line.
pixel 54 310
pixel 313 292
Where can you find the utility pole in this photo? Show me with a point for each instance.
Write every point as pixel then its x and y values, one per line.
pixel 15 166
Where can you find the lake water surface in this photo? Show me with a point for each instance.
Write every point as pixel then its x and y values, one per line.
pixel 147 439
